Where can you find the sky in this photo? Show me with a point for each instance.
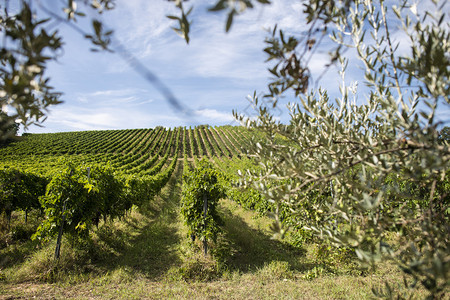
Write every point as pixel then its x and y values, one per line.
pixel 211 76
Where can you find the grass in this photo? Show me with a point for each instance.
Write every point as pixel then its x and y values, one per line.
pixel 148 255
pixel 250 245
pixel 245 286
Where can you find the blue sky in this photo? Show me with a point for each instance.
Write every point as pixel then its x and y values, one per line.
pixel 211 76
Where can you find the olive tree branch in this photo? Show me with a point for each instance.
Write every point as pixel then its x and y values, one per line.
pixel 392 57
pixel 411 146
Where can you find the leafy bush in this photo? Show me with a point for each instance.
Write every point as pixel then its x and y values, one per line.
pixel 81 200
pixel 20 191
pixel 200 184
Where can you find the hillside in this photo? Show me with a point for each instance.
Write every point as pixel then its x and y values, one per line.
pixel 124 236
pixel 131 150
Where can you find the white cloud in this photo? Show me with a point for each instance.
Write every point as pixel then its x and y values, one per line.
pixel 138 24
pixel 215 115
pixel 119 97
pixel 212 75
pixel 75 118
pixel 238 54
pixel 114 93
pixel 145 31
pixel 69 118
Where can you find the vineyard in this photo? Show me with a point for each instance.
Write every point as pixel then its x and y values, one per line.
pixel 79 178
pixel 134 151
pixel 337 187
pixel 68 189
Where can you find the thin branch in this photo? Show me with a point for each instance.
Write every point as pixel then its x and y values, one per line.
pixel 152 78
pixel 430 204
pixel 351 165
pixel 388 38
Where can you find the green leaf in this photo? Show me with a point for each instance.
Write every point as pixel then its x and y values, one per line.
pixel 220 5
pixel 229 20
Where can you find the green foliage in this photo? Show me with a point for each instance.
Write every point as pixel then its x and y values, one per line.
pixel 350 171
pixel 8 128
pixel 248 197
pixel 25 50
pixel 26 47
pixel 183 22
pixel 132 177
pixel 233 8
pixel 86 199
pixel 444 134
pixel 20 191
pixel 136 190
pixel 199 184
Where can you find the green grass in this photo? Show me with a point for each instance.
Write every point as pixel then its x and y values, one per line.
pixel 149 255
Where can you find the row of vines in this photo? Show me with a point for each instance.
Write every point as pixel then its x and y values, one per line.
pixel 75 189
pixel 75 180
pixel 203 140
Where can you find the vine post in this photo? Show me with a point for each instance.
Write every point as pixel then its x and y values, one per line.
pixel 60 233
pixel 205 210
